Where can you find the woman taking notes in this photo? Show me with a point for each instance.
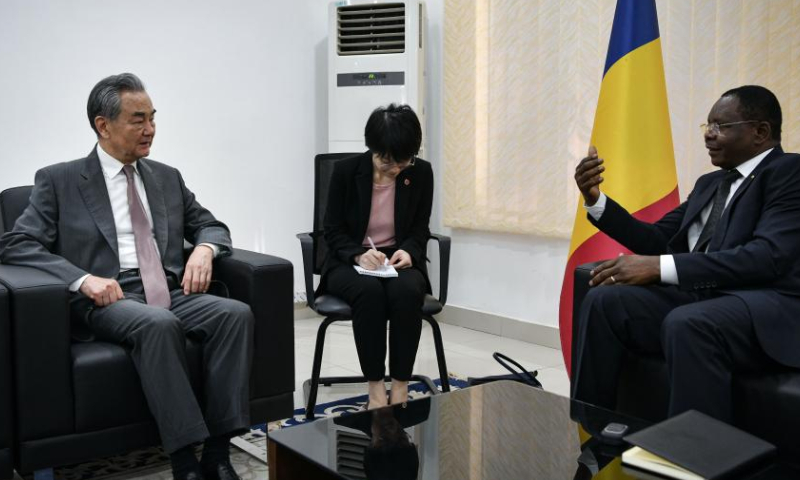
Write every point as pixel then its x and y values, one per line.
pixel 379 206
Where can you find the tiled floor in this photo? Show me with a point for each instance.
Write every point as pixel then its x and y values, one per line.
pixel 468 352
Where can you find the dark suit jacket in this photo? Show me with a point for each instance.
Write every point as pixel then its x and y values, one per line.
pixel 68 229
pixel 754 253
pixel 349 204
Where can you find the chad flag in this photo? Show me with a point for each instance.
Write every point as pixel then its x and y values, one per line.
pixel 632 134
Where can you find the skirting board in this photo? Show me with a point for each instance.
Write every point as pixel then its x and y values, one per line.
pixel 481 321
pixel 539 334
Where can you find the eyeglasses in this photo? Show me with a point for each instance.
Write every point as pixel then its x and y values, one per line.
pixel 388 163
pixel 716 128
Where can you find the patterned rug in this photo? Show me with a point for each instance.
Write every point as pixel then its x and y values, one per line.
pixel 152 463
pixel 352 404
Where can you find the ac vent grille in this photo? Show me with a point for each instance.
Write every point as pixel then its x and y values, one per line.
pixel 371 29
pixel 350 448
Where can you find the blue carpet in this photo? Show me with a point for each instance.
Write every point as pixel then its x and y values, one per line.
pixel 353 404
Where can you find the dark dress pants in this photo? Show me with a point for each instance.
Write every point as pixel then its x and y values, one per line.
pixel 704 337
pixel 374 301
pixel 157 339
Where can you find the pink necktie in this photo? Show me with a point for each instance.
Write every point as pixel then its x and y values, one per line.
pixel 154 281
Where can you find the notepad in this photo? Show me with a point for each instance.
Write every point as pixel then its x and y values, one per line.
pixel 692 446
pixel 645 460
pixel 384 271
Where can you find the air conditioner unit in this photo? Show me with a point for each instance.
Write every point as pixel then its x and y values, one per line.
pixel 376 56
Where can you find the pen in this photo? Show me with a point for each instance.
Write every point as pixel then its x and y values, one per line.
pixel 371 244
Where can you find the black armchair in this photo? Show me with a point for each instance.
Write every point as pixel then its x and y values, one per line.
pixel 77 401
pixel 6 396
pixel 335 309
pixel 765 405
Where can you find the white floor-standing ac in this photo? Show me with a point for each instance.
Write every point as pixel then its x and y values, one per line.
pixel 375 57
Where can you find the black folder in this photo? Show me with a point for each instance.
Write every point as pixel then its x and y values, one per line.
pixel 703 445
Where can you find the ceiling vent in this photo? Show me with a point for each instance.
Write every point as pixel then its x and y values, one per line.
pixel 372 29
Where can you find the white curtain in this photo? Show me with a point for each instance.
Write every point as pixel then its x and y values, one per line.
pixel 521 85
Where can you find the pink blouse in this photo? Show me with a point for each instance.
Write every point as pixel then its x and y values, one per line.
pixel 381 216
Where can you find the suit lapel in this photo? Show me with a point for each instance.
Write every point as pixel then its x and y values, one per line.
pixel 722 226
pixel 364 189
pixel 402 197
pixel 158 207
pixel 95 195
pixel 701 200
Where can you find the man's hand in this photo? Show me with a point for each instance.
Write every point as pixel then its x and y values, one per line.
pixel 371 259
pixel 627 270
pixel 103 291
pixel 400 259
pixel 197 276
pixel 587 176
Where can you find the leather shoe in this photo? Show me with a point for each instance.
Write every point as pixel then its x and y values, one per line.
pixel 220 471
pixel 193 474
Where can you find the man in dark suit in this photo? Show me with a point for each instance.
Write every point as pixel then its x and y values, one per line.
pixel 112 227
pixel 714 286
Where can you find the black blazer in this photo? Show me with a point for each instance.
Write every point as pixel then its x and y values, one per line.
pixel 349 203
pixel 754 253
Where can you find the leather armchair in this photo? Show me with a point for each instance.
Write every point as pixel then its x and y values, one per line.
pixel 81 400
pixel 6 396
pixel 765 405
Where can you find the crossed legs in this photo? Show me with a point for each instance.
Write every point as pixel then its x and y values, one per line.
pixel 704 339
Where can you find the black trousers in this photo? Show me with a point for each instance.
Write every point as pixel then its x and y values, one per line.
pixel 157 338
pixel 374 301
pixel 704 338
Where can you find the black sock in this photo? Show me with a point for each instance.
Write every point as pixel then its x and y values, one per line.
pixel 183 460
pixel 216 449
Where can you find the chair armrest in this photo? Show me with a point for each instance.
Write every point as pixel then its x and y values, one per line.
pixel 580 288
pixel 307 247
pixel 444 264
pixel 266 283
pixel 6 389
pixel 41 345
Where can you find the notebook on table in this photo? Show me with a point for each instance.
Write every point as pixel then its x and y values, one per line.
pixel 694 446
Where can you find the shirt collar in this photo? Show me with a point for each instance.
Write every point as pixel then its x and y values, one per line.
pixel 747 167
pixel 110 165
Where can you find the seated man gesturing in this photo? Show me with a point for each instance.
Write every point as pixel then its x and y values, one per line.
pixel 714 286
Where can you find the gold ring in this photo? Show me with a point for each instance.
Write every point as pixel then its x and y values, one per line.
pixel 612 279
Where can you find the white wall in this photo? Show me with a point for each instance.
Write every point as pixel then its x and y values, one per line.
pixel 242 106
pixel 239 87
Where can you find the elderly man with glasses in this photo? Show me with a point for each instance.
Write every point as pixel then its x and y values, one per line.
pixel 714 285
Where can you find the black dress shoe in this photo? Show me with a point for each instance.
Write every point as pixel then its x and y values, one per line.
pixel 194 474
pixel 220 471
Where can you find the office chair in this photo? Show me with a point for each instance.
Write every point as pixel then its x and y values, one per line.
pixel 335 309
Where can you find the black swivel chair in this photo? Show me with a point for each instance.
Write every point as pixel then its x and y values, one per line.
pixel 335 309
pixel 6 396
pixel 765 405
pixel 75 401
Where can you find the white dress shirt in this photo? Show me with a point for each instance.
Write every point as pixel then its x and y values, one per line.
pixel 669 274
pixel 117 185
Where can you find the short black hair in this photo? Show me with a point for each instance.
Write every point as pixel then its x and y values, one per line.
pixel 393 132
pixel 758 103
pixel 395 462
pixel 104 99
